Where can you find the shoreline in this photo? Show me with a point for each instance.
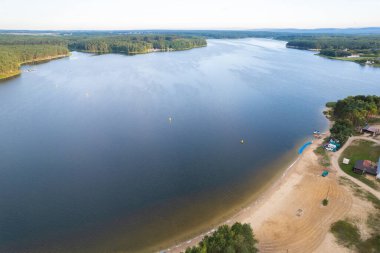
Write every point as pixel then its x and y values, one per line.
pixel 255 202
pixel 8 76
pixel 255 211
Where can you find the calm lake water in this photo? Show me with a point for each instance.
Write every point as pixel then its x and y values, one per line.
pixel 91 162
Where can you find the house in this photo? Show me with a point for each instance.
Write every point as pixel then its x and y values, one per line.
pixel 365 167
pixel 370 129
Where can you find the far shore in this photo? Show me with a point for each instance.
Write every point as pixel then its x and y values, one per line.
pixel 35 61
pixel 289 216
pixel 13 74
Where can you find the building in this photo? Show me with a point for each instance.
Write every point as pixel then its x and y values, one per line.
pixel 378 169
pixel 370 129
pixel 365 167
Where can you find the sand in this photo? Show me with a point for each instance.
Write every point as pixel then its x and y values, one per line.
pixel 290 217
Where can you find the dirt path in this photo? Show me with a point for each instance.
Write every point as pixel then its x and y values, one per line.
pixel 335 163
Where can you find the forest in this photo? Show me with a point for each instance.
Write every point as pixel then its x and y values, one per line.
pixel 12 56
pixel 133 44
pixel 352 113
pixel 360 49
pixel 16 50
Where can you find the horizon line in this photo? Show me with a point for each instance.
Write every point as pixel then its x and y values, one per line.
pixel 199 29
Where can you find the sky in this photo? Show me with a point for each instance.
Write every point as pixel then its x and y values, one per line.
pixel 190 14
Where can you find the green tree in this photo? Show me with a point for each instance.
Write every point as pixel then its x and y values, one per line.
pixel 236 239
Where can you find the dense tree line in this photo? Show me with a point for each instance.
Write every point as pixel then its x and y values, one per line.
pixel 335 42
pixel 133 44
pixel 367 47
pixel 18 49
pixel 352 112
pixel 12 56
pixel 238 238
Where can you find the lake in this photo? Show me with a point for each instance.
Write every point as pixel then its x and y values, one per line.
pixel 112 153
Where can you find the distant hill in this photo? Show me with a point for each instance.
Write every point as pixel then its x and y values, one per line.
pixel 209 32
pixel 352 31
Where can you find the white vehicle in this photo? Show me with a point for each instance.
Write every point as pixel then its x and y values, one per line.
pixel 331 146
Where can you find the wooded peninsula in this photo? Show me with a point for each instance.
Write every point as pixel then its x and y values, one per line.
pixel 359 49
pixel 16 50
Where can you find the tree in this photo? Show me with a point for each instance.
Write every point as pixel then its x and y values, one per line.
pixel 236 239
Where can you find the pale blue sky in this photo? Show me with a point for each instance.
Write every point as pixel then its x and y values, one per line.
pixel 193 14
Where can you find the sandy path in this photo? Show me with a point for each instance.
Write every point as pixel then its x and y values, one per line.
pixel 289 217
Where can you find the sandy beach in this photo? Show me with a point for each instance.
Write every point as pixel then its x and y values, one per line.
pixel 289 217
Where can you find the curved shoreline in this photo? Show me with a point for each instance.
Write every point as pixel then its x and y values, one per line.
pixel 5 77
pixel 258 199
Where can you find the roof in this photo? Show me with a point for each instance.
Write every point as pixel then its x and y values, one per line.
pixel 367 166
pixel 371 129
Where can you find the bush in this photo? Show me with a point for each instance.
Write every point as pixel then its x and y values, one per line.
pixel 236 239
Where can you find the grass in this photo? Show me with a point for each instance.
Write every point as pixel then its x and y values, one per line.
pixel 360 60
pixel 359 192
pixel 360 150
pixel 323 159
pixel 346 233
pixel 371 245
pixel 373 222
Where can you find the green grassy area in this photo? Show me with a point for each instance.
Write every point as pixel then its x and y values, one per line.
pixel 371 245
pixel 359 192
pixel 323 157
pixel 360 150
pixel 360 60
pixel 346 233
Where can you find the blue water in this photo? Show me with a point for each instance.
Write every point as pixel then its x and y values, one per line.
pixel 91 162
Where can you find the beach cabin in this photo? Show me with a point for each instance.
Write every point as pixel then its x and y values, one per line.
pixel 365 167
pixel 371 130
